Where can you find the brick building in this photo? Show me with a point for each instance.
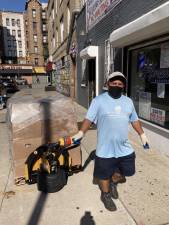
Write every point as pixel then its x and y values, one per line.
pixel 60 14
pixel 1 41
pixel 36 32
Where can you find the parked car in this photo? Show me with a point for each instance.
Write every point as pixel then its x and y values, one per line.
pixel 9 84
pixel 3 100
pixel 21 81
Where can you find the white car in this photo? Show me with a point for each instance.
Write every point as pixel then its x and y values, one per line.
pixel 21 81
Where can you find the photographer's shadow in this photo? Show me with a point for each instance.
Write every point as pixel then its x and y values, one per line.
pixel 87 219
pixel 91 157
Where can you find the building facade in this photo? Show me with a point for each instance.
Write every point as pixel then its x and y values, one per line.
pixel 13 33
pixel 36 32
pixel 1 41
pixel 113 37
pixel 59 22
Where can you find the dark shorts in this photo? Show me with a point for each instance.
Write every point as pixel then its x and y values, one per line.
pixel 105 167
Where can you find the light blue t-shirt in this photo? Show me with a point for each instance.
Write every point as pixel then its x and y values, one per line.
pixel 112 117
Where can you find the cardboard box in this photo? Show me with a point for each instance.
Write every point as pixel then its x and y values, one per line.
pixel 21 149
pixel 34 121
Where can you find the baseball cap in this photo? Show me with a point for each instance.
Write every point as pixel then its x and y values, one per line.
pixel 117 76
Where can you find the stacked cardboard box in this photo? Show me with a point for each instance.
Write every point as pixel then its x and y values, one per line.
pixel 34 121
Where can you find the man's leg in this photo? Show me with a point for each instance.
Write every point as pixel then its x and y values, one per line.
pixel 106 195
pixel 113 186
pixel 102 171
pixel 104 185
pixel 117 177
pixel 127 167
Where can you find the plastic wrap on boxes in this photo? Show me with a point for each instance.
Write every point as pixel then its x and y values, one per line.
pixel 36 120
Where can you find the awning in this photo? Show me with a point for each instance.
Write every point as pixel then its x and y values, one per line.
pixel 89 52
pixel 39 70
pixel 14 71
pixel 154 23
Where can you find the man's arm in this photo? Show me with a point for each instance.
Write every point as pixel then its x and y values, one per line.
pixel 138 128
pixel 84 128
pixel 85 125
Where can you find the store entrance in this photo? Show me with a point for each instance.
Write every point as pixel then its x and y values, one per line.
pixel 91 79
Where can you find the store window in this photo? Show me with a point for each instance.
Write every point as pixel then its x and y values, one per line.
pixel 149 83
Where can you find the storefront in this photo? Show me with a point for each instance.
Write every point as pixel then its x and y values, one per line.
pixel 39 75
pixel 145 43
pixel 16 71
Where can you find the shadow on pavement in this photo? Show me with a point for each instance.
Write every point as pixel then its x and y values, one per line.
pixel 89 159
pixel 87 219
pixel 46 110
pixel 37 211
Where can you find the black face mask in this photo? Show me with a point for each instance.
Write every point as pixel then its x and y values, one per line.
pixel 115 91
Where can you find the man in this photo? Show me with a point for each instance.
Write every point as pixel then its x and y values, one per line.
pixel 115 157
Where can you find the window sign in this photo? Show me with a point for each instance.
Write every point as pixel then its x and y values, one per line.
pixel 97 9
pixel 144 104
pixel 160 90
pixel 157 116
pixel 83 80
pixel 164 58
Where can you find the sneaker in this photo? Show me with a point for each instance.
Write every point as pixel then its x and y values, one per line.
pixel 108 202
pixel 113 190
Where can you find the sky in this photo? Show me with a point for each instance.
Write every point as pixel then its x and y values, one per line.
pixel 14 5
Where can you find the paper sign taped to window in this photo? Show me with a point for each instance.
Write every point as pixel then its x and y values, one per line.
pixel 144 104
pixel 157 116
pixel 164 57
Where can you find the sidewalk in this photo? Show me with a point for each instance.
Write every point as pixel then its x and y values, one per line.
pixel 143 198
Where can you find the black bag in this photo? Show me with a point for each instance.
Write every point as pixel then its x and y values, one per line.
pixel 52 182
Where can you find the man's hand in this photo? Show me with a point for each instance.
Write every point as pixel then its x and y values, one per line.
pixel 144 141
pixel 77 137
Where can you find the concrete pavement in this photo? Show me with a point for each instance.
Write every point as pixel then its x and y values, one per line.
pixel 144 198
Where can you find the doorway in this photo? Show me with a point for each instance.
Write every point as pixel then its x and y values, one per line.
pixel 91 79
